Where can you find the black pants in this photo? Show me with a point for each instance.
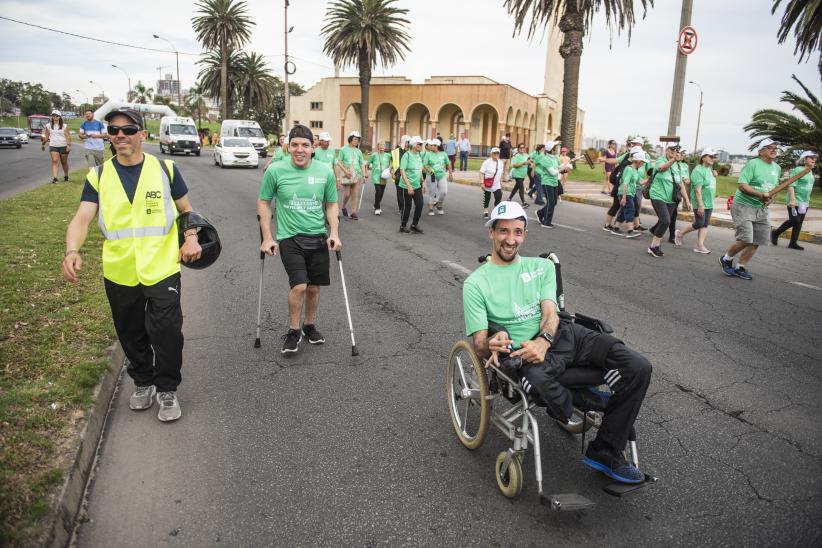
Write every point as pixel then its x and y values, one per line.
pixel 486 197
pixel 148 320
pixel 518 187
pixel 672 226
pixel 546 214
pixel 615 205
pixel 795 220
pixel 664 212
pixel 400 199
pixel 406 206
pixel 572 348
pixel 379 190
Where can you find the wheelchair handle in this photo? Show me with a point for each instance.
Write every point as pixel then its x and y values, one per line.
pixel 560 291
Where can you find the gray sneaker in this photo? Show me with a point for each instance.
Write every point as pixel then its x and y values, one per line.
pixel 169 406
pixel 142 398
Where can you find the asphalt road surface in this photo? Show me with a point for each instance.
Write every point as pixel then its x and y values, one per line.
pixel 29 167
pixel 326 449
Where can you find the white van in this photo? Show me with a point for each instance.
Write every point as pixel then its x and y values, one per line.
pixel 249 129
pixel 179 134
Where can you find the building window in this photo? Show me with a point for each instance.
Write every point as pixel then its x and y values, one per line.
pixel 316 124
pixel 316 105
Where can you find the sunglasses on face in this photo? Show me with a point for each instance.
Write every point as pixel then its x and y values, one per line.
pixel 127 130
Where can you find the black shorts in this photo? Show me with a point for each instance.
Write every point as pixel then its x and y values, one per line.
pixel 59 150
pixel 305 258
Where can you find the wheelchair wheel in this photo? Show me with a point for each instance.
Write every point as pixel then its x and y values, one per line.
pixel 467 388
pixel 511 482
pixel 575 425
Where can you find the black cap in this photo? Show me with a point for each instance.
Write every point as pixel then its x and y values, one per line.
pixel 300 131
pixel 129 113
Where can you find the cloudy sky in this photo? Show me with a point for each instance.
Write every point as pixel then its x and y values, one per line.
pixel 623 88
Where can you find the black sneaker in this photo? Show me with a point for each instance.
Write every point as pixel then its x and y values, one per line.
pixel 416 230
pixel 632 234
pixel 354 217
pixel 796 246
pixel 54 181
pixel 616 231
pixel 607 228
pixel 314 336
pixel 345 212
pixel 291 341
pixel 404 230
pixel 654 252
pixel 775 238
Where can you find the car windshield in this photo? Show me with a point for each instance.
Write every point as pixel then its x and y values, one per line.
pixel 180 129
pixel 7 131
pixel 233 143
pixel 39 123
pixel 21 131
pixel 249 132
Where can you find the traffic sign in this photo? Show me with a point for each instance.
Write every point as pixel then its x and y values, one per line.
pixel 687 40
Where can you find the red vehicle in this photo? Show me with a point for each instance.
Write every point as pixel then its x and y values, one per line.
pixel 37 123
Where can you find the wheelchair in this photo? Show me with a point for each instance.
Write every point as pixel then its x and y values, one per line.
pixel 477 397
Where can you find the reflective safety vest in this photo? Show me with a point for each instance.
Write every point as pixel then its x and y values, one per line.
pixel 396 156
pixel 141 244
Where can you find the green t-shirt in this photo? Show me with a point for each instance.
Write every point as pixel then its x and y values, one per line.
pixel 436 161
pixel 411 164
pixel 802 187
pixel 680 172
pixel 549 162
pixel 351 158
pixel 762 176
pixel 521 171
pixel 703 177
pixel 326 156
pixel 280 153
pixel 300 196
pixel 663 186
pixel 378 163
pixel 629 180
pixel 539 165
pixel 509 296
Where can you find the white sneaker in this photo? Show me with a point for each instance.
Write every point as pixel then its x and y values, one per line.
pixel 378 212
pixel 169 406
pixel 441 211
pixel 142 398
pixel 431 213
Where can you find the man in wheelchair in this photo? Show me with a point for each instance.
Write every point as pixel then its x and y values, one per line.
pixel 511 312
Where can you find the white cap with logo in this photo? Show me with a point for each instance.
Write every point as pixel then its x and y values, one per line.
pixel 638 156
pixel 808 154
pixel 325 136
pixel 505 211
pixel 416 140
pixel 708 152
pixel 355 134
pixel 495 150
pixel 436 142
pixel 766 143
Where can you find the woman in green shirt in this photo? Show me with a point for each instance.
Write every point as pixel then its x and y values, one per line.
pixel 379 163
pixel 519 165
pixel 437 164
pixel 798 199
pixel 703 190
pixel 413 186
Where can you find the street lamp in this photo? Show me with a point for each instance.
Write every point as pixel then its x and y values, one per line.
pixel 82 94
pixel 102 91
pixel 699 117
pixel 286 69
pixel 129 81
pixel 177 55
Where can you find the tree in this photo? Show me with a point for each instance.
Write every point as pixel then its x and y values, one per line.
pixel 196 102
pixel 575 18
pixel 222 26
pixel 210 78
pixel 805 18
pixel 361 32
pixel 799 133
pixel 256 82
pixel 140 93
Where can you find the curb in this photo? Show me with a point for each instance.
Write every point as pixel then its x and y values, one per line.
pixel 804 236
pixel 60 521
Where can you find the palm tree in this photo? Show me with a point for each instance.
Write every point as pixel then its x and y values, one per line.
pixel 575 18
pixel 196 102
pixel 141 94
pixel 798 133
pixel 358 32
pixel 256 82
pixel 211 81
pixel 222 26
pixel 805 18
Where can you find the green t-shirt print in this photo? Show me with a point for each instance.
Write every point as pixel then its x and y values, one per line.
pixel 378 163
pixel 521 171
pixel 300 195
pixel 411 165
pixel 703 177
pixel 760 175
pixel 510 296
pixel 351 158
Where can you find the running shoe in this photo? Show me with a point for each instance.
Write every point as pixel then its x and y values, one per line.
pixel 654 252
pixel 485 215
pixel 615 467
pixel 404 230
pixel 607 228
pixel 633 234
pixel 741 272
pixel 440 211
pixel 704 250
pixel 774 237
pixel 546 225
pixel 291 341
pixel 431 213
pixel 142 398
pixel 525 205
pixel 311 333
pixel 54 181
pixel 378 212
pixel 678 238
pixel 727 266
pixel 616 231
pixel 354 217
pixel 345 212
pixel 416 230
pixel 65 178
pixel 169 406
pixel 796 246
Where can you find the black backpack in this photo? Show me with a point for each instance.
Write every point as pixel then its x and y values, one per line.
pixel 616 175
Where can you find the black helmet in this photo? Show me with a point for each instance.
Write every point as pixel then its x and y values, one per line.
pixel 207 237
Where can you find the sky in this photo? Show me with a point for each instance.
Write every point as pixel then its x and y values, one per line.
pixel 624 88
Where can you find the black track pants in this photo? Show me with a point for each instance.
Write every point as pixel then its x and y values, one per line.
pixel 379 190
pixel 416 199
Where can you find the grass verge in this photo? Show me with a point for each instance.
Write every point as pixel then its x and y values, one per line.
pixel 52 337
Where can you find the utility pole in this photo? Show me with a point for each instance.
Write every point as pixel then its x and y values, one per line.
pixel 179 84
pixel 287 101
pixel 699 116
pixel 128 98
pixel 675 117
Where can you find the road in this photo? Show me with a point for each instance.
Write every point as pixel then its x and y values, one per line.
pixel 29 167
pixel 325 449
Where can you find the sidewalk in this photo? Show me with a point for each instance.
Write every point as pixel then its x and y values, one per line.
pixel 589 193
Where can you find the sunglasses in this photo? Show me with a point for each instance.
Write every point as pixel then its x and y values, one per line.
pixel 127 130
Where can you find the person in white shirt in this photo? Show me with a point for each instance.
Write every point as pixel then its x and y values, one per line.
pixel 57 135
pixel 464 147
pixel 491 180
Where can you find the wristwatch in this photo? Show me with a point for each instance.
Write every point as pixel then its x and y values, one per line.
pixel 548 337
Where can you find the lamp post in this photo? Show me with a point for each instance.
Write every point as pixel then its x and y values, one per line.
pixel 129 81
pixel 82 94
pixel 177 55
pixel 102 91
pixel 287 94
pixel 699 117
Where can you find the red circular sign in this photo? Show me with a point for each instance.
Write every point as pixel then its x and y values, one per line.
pixel 687 40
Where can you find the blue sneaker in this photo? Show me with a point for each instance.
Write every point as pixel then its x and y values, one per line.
pixel 727 266
pixel 613 467
pixel 742 273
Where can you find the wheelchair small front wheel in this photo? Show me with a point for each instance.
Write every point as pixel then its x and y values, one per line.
pixel 509 483
pixel 467 391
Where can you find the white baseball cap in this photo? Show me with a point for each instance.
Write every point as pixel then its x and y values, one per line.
pixel 808 154
pixel 633 140
pixel 495 149
pixel 436 142
pixel 636 149
pixel 507 210
pixel 55 112
pixel 638 156
pixel 766 143
pixel 549 146
pixel 405 139
pixel 325 136
pixel 708 152
pixel 415 140
pixel 355 134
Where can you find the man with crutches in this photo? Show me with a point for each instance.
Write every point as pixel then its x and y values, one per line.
pixel 306 194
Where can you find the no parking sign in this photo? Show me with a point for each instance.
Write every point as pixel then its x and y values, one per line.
pixel 687 40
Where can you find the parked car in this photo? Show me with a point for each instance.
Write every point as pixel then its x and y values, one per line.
pixel 9 137
pixel 235 151
pixel 24 135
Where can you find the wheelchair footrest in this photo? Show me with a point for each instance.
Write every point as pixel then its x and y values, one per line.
pixel 567 502
pixel 618 489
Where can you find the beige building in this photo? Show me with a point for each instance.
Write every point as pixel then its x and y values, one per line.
pixel 483 109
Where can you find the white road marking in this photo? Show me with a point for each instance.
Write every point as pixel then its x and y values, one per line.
pixel 458 267
pixel 570 227
pixel 809 286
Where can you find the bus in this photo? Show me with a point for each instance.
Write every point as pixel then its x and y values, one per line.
pixel 37 123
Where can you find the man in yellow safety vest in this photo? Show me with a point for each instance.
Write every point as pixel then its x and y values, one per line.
pixel 137 199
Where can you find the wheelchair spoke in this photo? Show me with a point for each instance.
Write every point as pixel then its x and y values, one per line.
pixel 462 372
pixel 465 418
